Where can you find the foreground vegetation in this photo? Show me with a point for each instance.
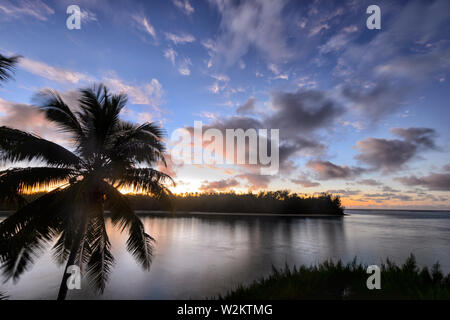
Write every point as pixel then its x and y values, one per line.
pixel 338 281
pixel 278 202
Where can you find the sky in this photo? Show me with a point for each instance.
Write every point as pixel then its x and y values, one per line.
pixel 362 113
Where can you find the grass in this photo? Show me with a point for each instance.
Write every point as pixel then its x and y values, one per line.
pixel 338 281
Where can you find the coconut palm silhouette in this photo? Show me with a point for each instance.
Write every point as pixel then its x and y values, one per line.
pixel 108 154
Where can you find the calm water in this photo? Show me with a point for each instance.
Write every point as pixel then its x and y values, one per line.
pixel 203 257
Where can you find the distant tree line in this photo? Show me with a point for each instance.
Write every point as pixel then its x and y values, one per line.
pixel 277 202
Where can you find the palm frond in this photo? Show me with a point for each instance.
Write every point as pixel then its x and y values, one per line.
pixel 57 111
pixel 142 144
pixel 25 234
pixel 65 243
pixel 101 259
pixel 139 243
pixel 17 145
pixel 144 180
pixel 61 249
pixel 22 180
pixel 7 66
pixel 99 115
pixel 74 227
pixel 3 296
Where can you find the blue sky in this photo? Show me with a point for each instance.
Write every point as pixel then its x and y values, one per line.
pixel 362 113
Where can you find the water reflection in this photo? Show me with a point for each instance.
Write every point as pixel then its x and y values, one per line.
pixel 202 257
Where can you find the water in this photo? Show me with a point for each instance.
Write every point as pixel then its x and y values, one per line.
pixel 204 257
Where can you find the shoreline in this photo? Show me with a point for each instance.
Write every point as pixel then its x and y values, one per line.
pixel 410 210
pixel 185 214
pixel 233 214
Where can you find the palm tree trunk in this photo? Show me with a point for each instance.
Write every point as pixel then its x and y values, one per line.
pixel 71 261
pixel 73 254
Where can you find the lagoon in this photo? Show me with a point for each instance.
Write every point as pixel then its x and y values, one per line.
pixel 199 257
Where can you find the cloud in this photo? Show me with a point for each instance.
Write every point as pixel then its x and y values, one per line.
pixel 171 168
pixel 389 189
pixel 210 45
pixel 404 55
pixel 183 68
pixel 320 19
pixel 390 155
pixel 137 116
pixel 302 111
pixel 343 192
pixel 28 118
pixel 374 102
pixel 184 5
pixel 219 185
pixel 276 71
pixel 291 145
pixel 327 170
pixel 26 8
pixel 281 76
pixel 20 115
pixel 221 77
pixel 339 40
pixel 417 67
pixel 180 38
pixel 434 181
pixel 306 82
pixel 221 83
pixel 369 182
pixel 214 88
pixel 170 54
pixel 233 123
pixel 144 24
pixel 305 183
pixel 53 73
pixel 418 136
pixel 88 16
pixel 384 154
pixel 256 181
pixel 248 107
pixel 150 93
pixel 386 196
pixel 251 24
pixel 297 115
pixel 272 67
pixel 298 145
pixel 317 29
pixel 183 65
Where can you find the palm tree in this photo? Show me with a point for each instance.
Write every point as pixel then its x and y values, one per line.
pixel 108 154
pixel 7 66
